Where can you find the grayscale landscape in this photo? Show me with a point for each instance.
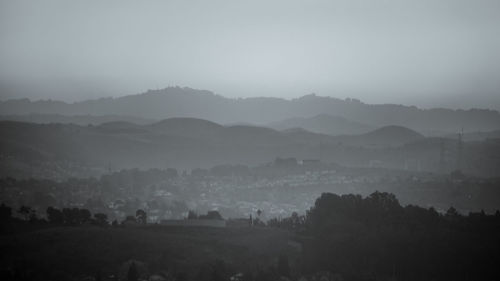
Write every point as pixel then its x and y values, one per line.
pixel 249 140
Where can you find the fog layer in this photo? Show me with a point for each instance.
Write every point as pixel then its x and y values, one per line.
pixel 427 53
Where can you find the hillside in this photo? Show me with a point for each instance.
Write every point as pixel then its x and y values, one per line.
pixel 187 127
pixel 186 102
pixel 181 143
pixel 391 135
pixel 83 120
pixel 40 150
pixel 323 124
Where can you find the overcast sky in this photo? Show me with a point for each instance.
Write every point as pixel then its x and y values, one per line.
pixel 422 52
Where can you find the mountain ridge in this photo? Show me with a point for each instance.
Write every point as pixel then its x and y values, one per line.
pixel 187 102
pixel 25 147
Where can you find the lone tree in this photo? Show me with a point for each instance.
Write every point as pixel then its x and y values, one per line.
pixel 141 216
pixel 452 213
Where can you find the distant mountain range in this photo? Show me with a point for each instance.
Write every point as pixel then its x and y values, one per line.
pixel 186 143
pixel 347 116
pixel 75 119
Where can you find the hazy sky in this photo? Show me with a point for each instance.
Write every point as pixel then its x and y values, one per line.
pixel 422 52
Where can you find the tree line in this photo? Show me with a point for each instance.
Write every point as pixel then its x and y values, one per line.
pixel 65 216
pixel 375 238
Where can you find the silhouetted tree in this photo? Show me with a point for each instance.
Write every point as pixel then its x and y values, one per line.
pixel 452 213
pixel 213 215
pixel 130 219
pixel 76 216
pixel 141 216
pixel 192 215
pixel 70 216
pixel 84 216
pixel 5 213
pixel 379 232
pixel 27 213
pixel 55 215
pixel 101 219
pixel 295 220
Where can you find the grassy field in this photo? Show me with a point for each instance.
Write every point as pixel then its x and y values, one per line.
pixel 90 249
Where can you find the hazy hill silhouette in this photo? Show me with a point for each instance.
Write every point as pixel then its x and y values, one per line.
pixel 178 142
pixel 388 135
pixel 121 127
pixel 187 127
pixel 323 124
pixel 189 143
pixel 186 102
pixel 75 119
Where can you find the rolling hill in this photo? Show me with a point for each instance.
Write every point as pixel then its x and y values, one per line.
pixel 386 136
pixel 323 124
pixel 40 150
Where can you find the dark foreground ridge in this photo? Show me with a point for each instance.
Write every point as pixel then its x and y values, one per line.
pixel 340 238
